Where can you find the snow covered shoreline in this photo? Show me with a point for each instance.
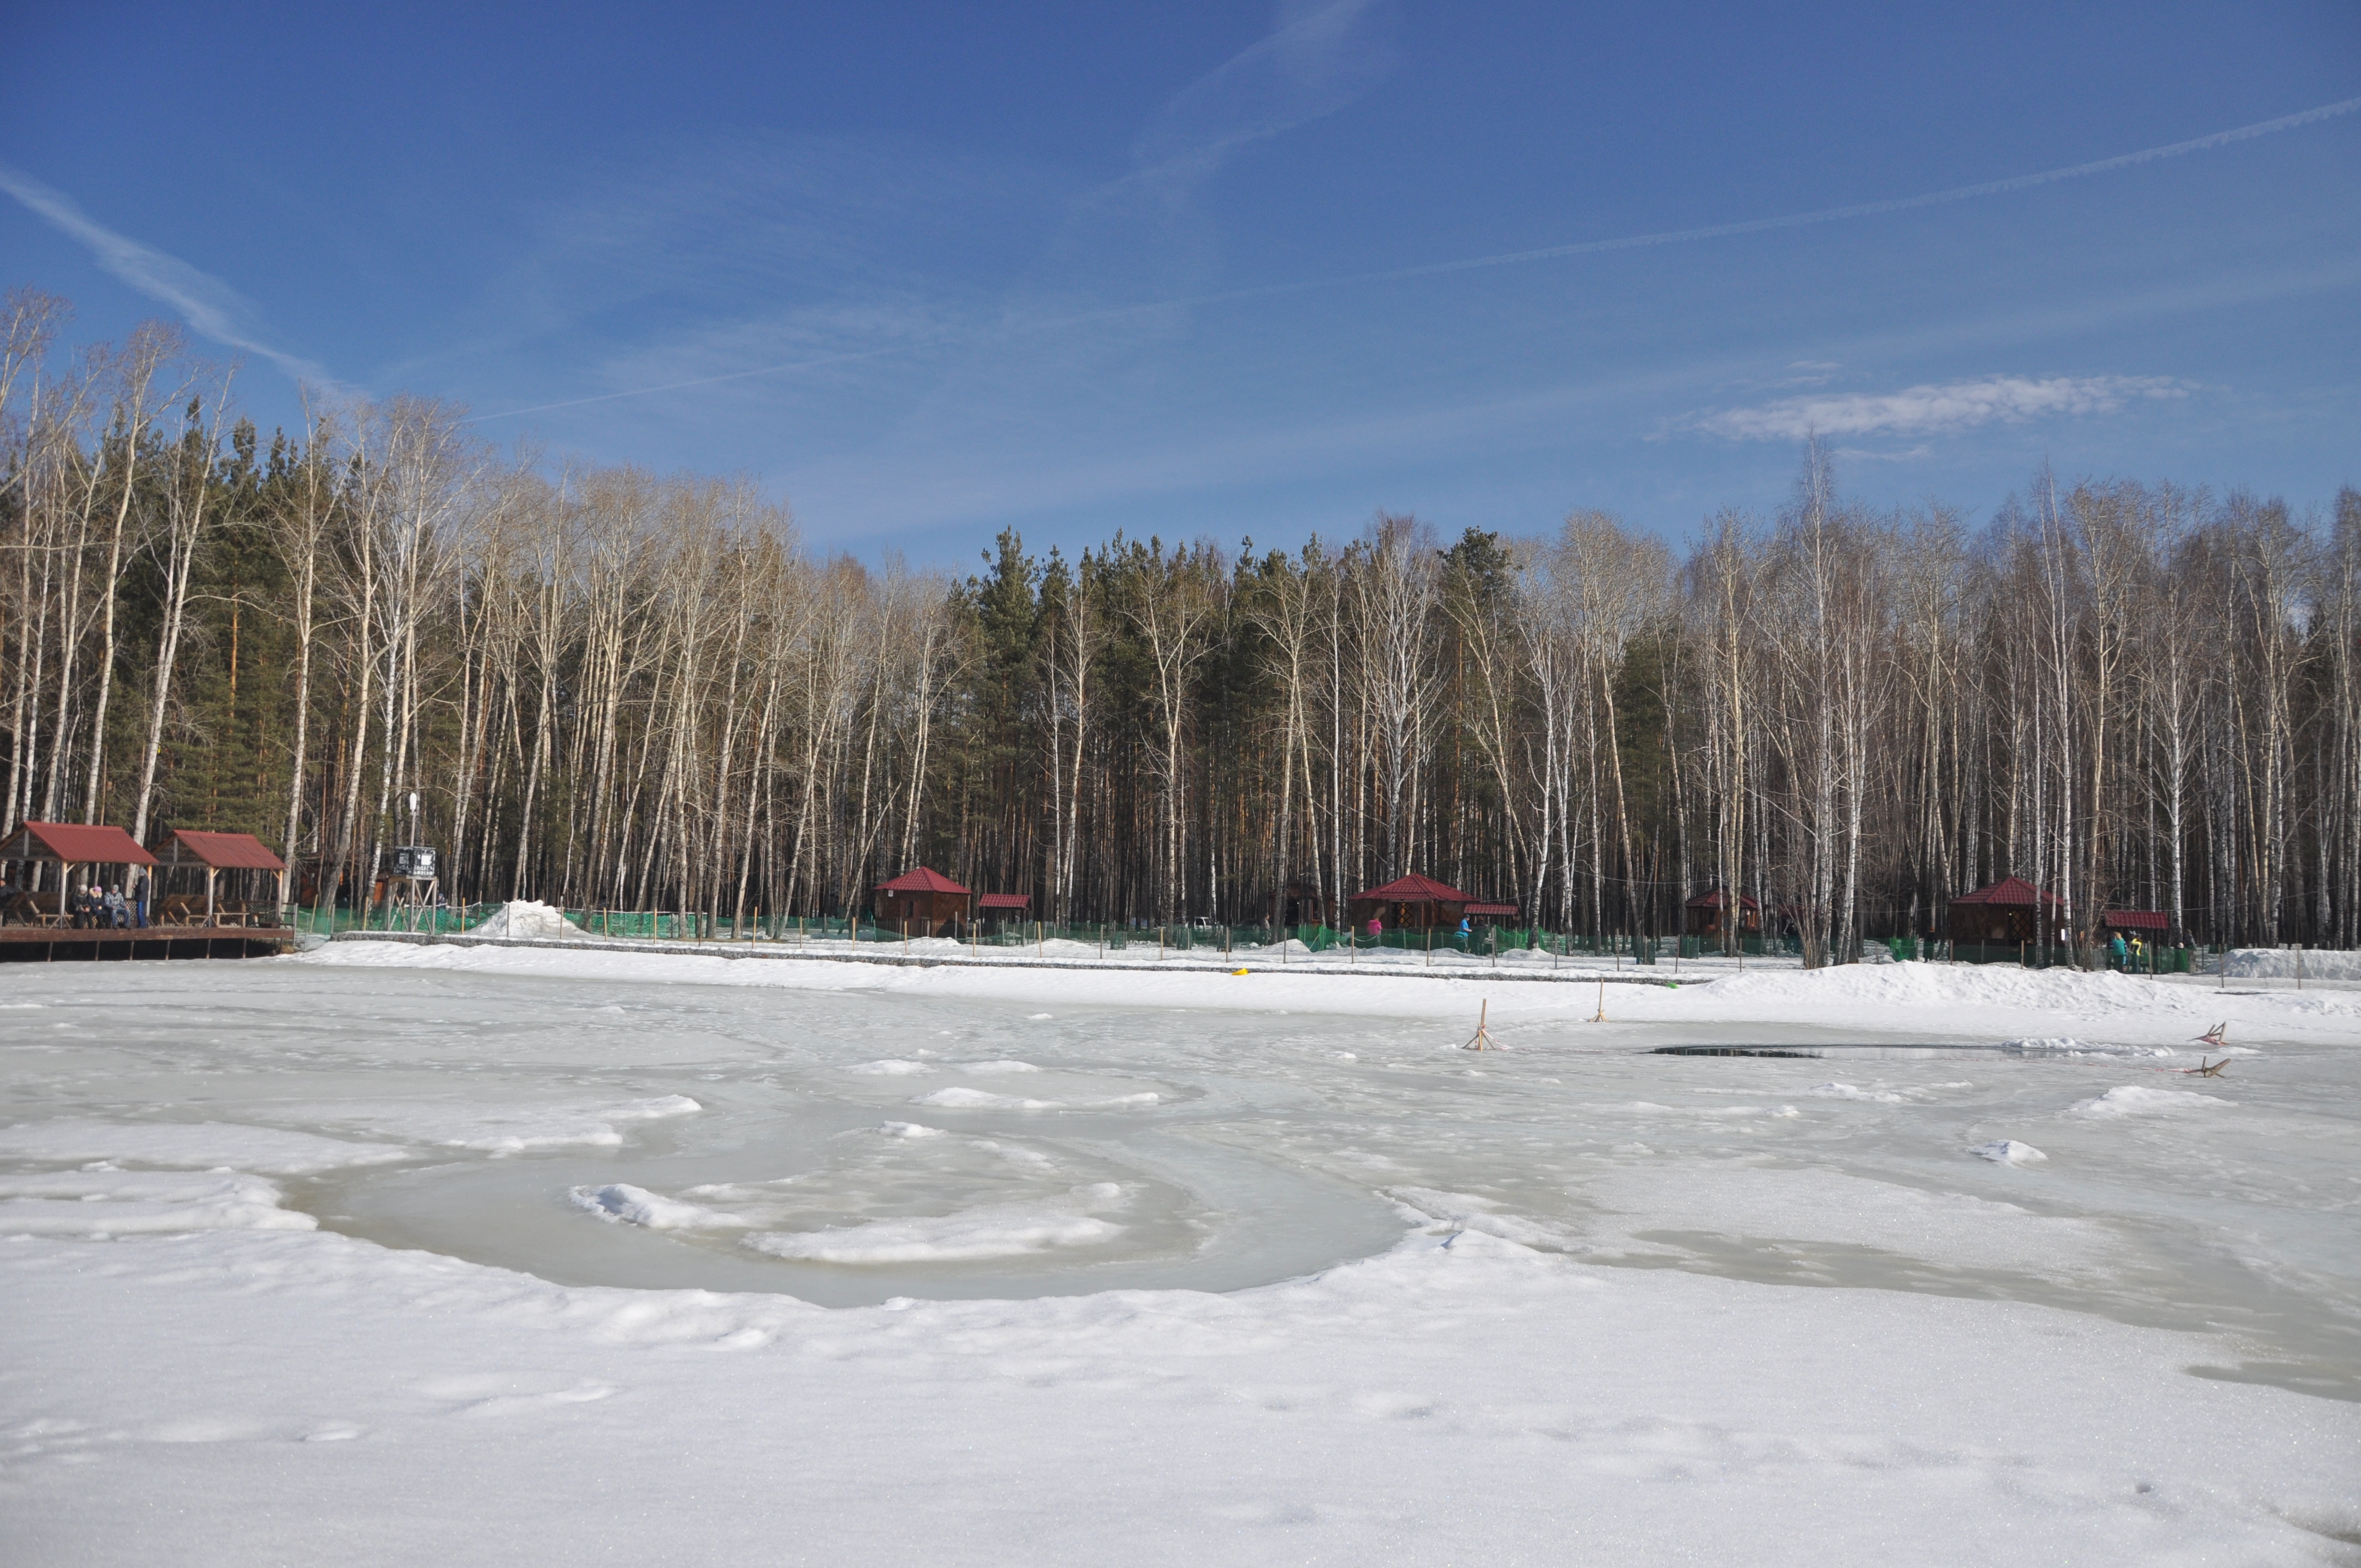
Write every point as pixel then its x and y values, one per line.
pixel 396 1254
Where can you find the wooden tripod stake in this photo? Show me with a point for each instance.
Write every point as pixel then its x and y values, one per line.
pixel 1602 1003
pixel 1483 1040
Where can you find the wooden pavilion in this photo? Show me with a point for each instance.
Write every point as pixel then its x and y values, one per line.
pixel 217 853
pixel 1003 906
pixel 1707 912
pixel 1413 902
pixel 65 846
pixel 920 901
pixel 2150 923
pixel 2005 913
pixel 1492 914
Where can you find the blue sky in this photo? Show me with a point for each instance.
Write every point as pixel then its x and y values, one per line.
pixel 926 271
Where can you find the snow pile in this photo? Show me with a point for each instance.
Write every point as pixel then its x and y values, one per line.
pixel 2008 1151
pixel 892 1066
pixel 528 917
pixel 2135 1100
pixel 1928 986
pixel 637 1206
pixel 999 1229
pixel 2279 963
pixel 1847 1091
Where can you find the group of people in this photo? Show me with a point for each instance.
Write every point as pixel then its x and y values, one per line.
pixel 2127 956
pixel 94 908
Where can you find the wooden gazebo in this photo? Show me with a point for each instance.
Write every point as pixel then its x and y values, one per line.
pixel 2004 913
pixel 921 901
pixel 1003 906
pixel 217 853
pixel 1413 902
pixel 1492 912
pixel 1707 913
pixel 67 845
pixel 2154 922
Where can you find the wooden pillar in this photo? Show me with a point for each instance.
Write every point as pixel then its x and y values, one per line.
pixel 210 874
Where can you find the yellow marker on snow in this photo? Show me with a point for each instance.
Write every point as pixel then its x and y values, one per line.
pixel 1237 972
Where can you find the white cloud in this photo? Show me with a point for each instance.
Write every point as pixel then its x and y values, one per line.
pixel 1933 408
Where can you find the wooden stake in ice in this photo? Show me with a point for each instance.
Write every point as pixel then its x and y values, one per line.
pixel 1602 1003
pixel 1483 1040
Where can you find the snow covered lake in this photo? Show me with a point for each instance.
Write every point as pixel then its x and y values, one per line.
pixel 392 1253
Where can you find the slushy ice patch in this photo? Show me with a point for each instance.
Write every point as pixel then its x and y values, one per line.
pixel 993 1231
pixel 988 1231
pixel 2136 1099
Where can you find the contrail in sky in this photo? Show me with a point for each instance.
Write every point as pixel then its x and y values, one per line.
pixel 205 301
pixel 1545 253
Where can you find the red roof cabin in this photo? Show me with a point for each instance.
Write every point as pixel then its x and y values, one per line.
pixel 921 902
pixel 1706 914
pixel 2154 921
pixel 2004 913
pixel 242 853
pixel 1411 903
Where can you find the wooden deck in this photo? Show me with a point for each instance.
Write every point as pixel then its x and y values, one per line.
pixel 60 944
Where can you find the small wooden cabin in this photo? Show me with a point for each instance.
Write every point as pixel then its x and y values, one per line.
pixel 1709 915
pixel 1490 914
pixel 924 901
pixel 1411 903
pixel 2003 914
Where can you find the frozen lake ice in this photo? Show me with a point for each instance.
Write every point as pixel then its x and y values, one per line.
pixel 871 1140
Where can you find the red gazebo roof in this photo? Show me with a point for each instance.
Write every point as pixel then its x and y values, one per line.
pixel 1489 909
pixel 921 880
pixel 222 851
pixel 2010 889
pixel 1005 901
pixel 74 846
pixel 2138 920
pixel 1718 898
pixel 1415 889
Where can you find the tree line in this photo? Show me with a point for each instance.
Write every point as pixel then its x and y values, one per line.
pixel 619 689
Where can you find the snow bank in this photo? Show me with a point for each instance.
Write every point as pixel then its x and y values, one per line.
pixel 2137 1100
pixel 497 1129
pixel 117 1204
pixel 2279 963
pixel 957 1099
pixel 528 917
pixel 195 1146
pixel 2008 1151
pixel 1960 1003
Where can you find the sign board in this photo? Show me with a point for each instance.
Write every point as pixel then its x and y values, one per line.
pixel 415 862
